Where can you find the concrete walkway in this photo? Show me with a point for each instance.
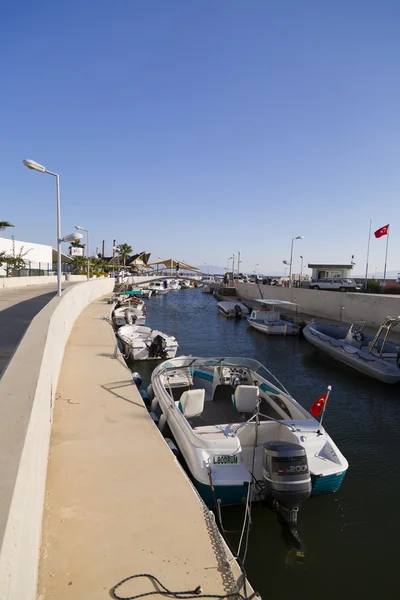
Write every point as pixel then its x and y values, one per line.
pixel 117 502
pixel 18 306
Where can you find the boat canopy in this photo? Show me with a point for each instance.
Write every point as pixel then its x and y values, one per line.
pixel 275 302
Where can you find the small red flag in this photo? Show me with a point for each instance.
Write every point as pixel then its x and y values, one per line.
pixel 382 231
pixel 317 406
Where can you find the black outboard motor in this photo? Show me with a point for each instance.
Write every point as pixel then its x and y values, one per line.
pixel 238 311
pixel 287 479
pixel 130 318
pixel 158 348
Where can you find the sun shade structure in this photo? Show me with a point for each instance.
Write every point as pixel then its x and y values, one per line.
pixel 172 263
pixel 276 302
pixel 140 260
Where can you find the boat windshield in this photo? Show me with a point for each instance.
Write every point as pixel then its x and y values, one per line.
pixel 237 361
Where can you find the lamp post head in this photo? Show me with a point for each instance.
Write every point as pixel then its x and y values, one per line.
pixel 72 237
pixel 79 228
pixel 31 164
pixel 286 262
pixel 299 237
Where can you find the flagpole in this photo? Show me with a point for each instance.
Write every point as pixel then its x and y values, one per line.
pixel 319 432
pixel 366 268
pixel 387 246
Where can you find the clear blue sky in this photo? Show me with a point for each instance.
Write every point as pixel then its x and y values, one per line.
pixel 199 128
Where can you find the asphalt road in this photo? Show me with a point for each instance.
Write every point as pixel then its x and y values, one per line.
pixel 17 308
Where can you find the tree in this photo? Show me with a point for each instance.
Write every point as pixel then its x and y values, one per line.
pixel 4 224
pixel 124 251
pixel 79 264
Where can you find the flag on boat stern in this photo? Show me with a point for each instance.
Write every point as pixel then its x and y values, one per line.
pixel 382 231
pixel 317 406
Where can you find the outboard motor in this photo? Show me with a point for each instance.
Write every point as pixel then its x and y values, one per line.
pixel 158 348
pixel 130 318
pixel 287 479
pixel 238 311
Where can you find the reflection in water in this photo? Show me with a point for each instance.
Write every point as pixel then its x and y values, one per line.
pixel 351 536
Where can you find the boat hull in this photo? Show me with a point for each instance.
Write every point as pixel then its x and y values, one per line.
pixel 360 360
pixel 278 328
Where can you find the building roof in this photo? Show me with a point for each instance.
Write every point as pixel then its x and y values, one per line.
pixel 315 266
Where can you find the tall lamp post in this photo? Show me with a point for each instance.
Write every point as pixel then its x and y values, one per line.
pixel 88 248
pixel 301 268
pixel 255 269
pixel 299 237
pixel 31 164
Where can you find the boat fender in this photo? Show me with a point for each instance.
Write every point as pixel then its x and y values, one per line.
pixel 172 447
pixel 137 380
pixel 154 417
pixel 145 398
pixel 150 392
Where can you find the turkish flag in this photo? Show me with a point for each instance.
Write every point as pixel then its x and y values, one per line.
pixel 382 231
pixel 317 406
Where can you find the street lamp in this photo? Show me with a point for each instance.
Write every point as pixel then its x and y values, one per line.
pixel 87 250
pixel 301 269
pixel 31 164
pixel 255 268
pixel 299 237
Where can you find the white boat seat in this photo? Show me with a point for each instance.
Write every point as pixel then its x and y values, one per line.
pixel 191 403
pixel 245 398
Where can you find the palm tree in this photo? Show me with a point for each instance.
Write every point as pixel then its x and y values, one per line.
pixel 124 251
pixel 4 224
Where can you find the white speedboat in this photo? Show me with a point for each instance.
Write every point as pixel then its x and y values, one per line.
pixel 269 320
pixel 233 309
pixel 373 356
pixel 159 288
pixel 144 343
pixel 129 315
pixel 173 284
pixel 230 420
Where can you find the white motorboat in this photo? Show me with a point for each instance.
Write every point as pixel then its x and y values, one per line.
pixel 159 288
pixel 230 421
pixel 144 343
pixel 185 284
pixel 269 320
pixel 373 356
pixel 233 309
pixel 129 315
pixel 173 284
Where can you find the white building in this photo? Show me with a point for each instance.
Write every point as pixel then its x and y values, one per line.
pixel 36 256
pixel 330 271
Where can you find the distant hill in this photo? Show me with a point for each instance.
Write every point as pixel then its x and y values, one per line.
pixel 213 269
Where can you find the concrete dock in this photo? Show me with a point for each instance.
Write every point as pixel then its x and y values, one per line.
pixel 117 502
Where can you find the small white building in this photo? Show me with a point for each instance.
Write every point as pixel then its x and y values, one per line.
pixel 35 256
pixel 330 271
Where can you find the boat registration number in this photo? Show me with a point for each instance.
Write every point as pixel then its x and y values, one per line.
pixel 225 460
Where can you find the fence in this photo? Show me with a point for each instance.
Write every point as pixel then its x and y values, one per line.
pixel 32 269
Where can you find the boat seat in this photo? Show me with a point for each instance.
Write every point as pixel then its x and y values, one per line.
pixel 245 398
pixel 191 403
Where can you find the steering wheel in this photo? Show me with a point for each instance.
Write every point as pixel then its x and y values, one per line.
pixel 236 379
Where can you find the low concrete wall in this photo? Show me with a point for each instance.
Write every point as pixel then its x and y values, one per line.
pixel 14 282
pixel 345 307
pixel 27 391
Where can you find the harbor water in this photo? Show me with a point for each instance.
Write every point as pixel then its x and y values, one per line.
pixel 351 537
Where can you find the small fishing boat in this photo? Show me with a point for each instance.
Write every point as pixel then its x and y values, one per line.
pixel 233 309
pixel 174 285
pixel 159 288
pixel 269 320
pixel 144 343
pixel 372 355
pixel 235 425
pixel 129 315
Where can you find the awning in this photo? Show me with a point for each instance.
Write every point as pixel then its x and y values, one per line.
pixel 171 263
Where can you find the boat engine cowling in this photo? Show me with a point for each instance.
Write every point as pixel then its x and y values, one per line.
pixel 287 477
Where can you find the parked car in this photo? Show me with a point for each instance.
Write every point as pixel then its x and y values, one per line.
pixel 340 284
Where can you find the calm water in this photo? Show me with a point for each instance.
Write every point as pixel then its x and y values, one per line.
pixel 351 537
